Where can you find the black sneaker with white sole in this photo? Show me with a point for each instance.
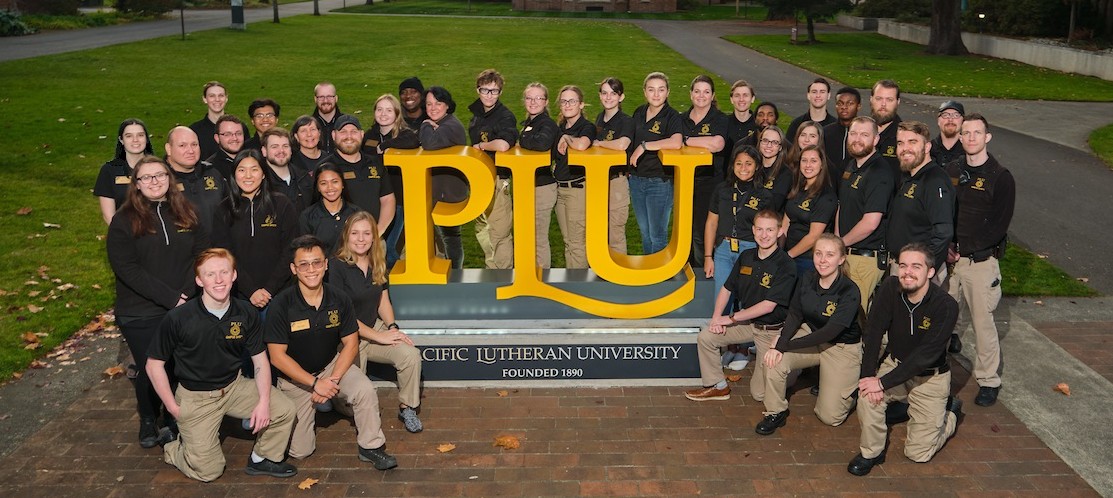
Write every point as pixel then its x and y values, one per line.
pixel 269 468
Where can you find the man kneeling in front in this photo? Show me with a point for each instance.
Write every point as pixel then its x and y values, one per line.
pixel 206 338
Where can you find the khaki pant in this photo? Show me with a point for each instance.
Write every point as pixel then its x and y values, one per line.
pixel 929 425
pixel 865 274
pixel 356 390
pixel 710 360
pixel 483 236
pixel 618 213
pixel 571 216
pixel 839 368
pixel 406 360
pixel 543 217
pixel 500 219
pixel 978 286
pixel 197 452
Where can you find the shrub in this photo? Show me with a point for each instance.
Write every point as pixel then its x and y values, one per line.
pixel 52 7
pixel 894 8
pixel 12 25
pixel 1018 17
pixel 147 7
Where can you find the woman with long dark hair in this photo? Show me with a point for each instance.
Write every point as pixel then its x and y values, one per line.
pixel 811 207
pixel 257 227
pixel 730 218
pixel 359 270
pixel 615 131
pixel 111 189
pixel 330 209
pixel 151 244
pixel 778 176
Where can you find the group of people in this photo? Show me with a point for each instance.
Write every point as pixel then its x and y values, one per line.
pixel 258 223
pixel 802 275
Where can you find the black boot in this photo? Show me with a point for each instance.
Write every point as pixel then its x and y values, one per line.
pixel 148 432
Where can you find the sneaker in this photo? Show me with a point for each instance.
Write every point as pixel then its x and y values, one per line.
pixel 269 468
pixel 987 396
pixel 955 346
pixel 408 416
pixel 729 357
pixel 165 435
pixel 770 423
pixel 148 433
pixel 739 363
pixel 378 457
pixel 708 394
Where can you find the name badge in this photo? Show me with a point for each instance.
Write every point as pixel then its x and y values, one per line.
pixel 349 175
pixel 299 325
pixel 845 175
pixel 123 180
pixel 181 187
pixel 746 270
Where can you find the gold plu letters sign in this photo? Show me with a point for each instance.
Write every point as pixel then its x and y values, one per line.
pixel 422 266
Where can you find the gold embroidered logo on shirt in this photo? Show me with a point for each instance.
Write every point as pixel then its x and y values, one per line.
pixel 926 324
pixel 483 137
pixel 911 194
pixel 610 135
pixel 830 309
pixel 705 129
pixel 656 128
pixel 210 183
pixel 234 331
pixel 890 151
pixel 752 203
pixel 979 184
pixel 268 222
pixel 766 279
pixel 768 184
pixel 373 173
pixel 806 205
pixel 854 184
pixel 333 319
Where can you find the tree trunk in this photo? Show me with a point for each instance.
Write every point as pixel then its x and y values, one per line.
pixel 946 29
pixel 316 8
pixel 811 28
pixel 274 3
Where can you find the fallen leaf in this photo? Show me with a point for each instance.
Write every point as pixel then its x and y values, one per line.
pixel 503 394
pixel 508 442
pixel 994 428
pixel 112 372
pixel 32 346
pixel 1063 388
pixel 308 483
pixel 24 211
pixel 100 237
pixel 446 447
pixel 1042 256
pixel 96 286
pixel 1038 303
pixel 51 225
pixel 17 375
pixel 1083 279
pixel 42 271
pixel 33 293
pixel 39 364
pixel 66 287
pixel 31 282
pixel 734 377
pixel 30 337
pixel 34 309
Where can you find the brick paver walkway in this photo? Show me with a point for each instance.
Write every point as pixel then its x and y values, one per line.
pixel 1090 342
pixel 643 441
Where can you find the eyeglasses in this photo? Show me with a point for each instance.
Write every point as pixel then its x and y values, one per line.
pixel 265 115
pixel 230 134
pixel 489 91
pixel 536 99
pixel 316 264
pixel 770 142
pixel 951 115
pixel 157 177
pixel 568 102
pixel 326 97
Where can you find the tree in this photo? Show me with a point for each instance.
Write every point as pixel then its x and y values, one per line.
pixel 946 29
pixel 274 4
pixel 810 9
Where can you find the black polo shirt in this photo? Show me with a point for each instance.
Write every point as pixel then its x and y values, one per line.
pixel 366 181
pixel 364 293
pixel 305 162
pixel 327 127
pixel 832 314
pixel 865 189
pixel 487 126
pixel 206 135
pixel 834 144
pixel 753 280
pixel 802 211
pixel 223 163
pixel 887 146
pixel 713 124
pixel 736 203
pixel 778 186
pixel 918 332
pixel 374 139
pixel 620 125
pixel 207 351
pixel 311 334
pixel 986 200
pixel 744 132
pixel 298 188
pixel 562 171
pixel 317 221
pixel 540 133
pixel 113 181
pixel 206 188
pixel 665 124
pixel 923 210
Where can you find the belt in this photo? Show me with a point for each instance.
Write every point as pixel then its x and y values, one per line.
pixel 577 183
pixel 934 371
pixel 869 253
pixel 979 256
pixel 775 326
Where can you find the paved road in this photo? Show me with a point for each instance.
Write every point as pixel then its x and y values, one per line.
pixel 1063 190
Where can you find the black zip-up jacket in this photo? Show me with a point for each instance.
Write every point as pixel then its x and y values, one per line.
pixel 206 188
pixel 300 189
pixel 260 240
pixel 918 333
pixel 155 269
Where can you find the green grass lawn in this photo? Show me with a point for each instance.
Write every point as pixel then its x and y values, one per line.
pixel 502 8
pixel 860 59
pixel 1101 140
pixel 1026 274
pixel 69 107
